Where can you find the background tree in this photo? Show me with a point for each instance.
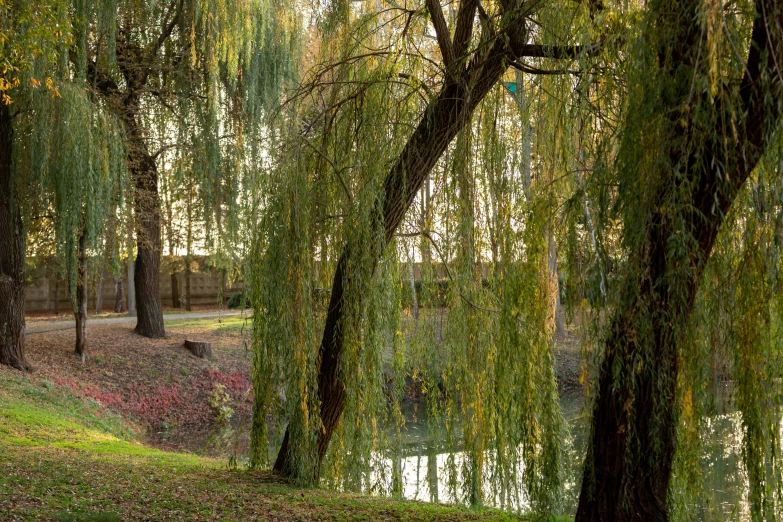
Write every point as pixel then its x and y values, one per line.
pixel 60 165
pixel 169 62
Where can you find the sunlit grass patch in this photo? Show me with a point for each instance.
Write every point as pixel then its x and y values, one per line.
pixel 69 459
pixel 228 322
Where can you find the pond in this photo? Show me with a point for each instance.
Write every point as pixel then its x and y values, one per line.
pixel 724 482
pixel 424 461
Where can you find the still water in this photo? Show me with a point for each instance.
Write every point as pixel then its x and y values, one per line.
pixel 424 462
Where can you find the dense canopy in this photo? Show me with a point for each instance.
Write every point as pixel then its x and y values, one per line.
pixel 424 202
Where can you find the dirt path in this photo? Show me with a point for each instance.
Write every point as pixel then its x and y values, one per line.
pixel 43 326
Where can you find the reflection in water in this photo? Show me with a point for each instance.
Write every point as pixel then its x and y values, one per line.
pixel 722 495
pixel 424 462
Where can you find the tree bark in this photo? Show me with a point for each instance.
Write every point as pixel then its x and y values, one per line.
pixel 56 295
pixel 12 253
pixel 119 295
pixel 99 294
pixel 200 349
pixel 131 279
pixel 144 175
pixel 189 247
pixel 187 285
pixel 633 435
pixel 80 312
pixel 174 290
pixel 136 67
pixel 443 118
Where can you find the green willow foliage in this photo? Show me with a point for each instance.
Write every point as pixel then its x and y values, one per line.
pixel 485 362
pixel 248 51
pixel 68 158
pixel 197 81
pixel 729 351
pixel 733 358
pixel 70 154
pixel 566 162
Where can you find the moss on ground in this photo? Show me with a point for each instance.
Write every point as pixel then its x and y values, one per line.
pixel 66 459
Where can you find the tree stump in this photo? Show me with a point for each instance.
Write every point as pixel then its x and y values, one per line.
pixel 199 349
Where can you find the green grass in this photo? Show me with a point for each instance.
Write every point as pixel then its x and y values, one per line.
pixel 65 459
pixel 232 322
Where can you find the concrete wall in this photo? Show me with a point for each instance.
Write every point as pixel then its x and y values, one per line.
pixel 204 289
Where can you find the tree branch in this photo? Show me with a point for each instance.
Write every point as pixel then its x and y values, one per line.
pixel 424 86
pixel 529 69
pixel 100 80
pixel 442 33
pixel 168 28
pixel 557 52
pixel 464 29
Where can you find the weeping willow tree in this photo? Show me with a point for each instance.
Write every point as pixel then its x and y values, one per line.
pixel 63 163
pixel 70 155
pixel 374 119
pixel 703 109
pixel 29 33
pixel 159 66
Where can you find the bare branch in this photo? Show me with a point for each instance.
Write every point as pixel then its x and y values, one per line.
pixel 337 172
pixel 529 69
pixel 464 29
pixel 168 28
pixel 557 52
pixel 442 32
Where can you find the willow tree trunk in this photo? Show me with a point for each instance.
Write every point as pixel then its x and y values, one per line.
pixel 442 120
pixel 144 174
pixel 80 313
pixel 633 435
pixel 12 252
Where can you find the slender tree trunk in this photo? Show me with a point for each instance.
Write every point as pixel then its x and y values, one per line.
pixel 188 305
pixel 424 242
pixel 131 279
pixel 56 295
pixel 99 294
pixel 189 249
pixel 415 303
pixel 168 197
pixel 444 117
pixel 80 312
pixel 633 435
pixel 119 295
pixel 12 253
pixel 554 282
pixel 48 301
pixel 174 290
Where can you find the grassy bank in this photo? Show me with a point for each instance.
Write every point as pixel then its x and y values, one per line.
pixel 67 459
